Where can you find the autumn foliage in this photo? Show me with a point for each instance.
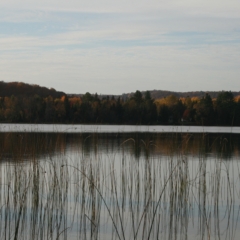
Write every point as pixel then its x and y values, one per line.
pixel 48 106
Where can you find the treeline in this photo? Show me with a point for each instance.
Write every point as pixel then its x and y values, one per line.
pixel 222 111
pixel 156 94
pixel 138 109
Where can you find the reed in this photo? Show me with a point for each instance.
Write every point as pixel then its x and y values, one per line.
pixel 50 190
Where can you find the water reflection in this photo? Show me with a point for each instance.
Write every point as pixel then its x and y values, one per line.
pixel 19 146
pixel 119 186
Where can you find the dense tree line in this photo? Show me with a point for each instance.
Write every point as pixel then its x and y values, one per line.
pixel 138 109
pixel 156 94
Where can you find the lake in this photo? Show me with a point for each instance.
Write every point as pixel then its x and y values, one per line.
pixel 119 182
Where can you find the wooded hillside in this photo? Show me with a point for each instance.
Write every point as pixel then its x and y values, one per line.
pixel 20 88
pixel 156 94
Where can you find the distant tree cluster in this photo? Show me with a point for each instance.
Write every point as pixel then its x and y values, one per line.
pixel 222 111
pixel 86 109
pixel 138 109
pixel 157 94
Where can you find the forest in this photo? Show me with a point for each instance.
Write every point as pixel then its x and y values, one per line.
pixel 139 108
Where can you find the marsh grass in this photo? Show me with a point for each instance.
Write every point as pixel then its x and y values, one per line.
pixel 126 194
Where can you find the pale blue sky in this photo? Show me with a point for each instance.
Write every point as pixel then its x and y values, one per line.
pixel 121 46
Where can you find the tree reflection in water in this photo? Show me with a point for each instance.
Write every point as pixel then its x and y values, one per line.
pixel 119 186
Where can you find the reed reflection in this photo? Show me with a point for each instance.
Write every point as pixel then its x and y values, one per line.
pixel 16 147
pixel 119 186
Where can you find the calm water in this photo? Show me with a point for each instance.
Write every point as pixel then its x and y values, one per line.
pixel 119 182
pixel 113 128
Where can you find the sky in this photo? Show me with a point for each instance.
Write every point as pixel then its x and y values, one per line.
pixel 115 47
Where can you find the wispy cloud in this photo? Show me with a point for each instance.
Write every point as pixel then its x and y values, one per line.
pixel 212 8
pixel 95 46
pixel 100 70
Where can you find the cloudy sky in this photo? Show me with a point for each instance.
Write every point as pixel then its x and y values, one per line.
pixel 108 46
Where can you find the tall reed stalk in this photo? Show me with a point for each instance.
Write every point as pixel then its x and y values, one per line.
pixel 49 190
